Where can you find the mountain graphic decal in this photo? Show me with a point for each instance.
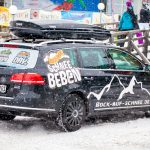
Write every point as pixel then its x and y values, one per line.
pixel 105 89
pixel 130 88
pixel 125 90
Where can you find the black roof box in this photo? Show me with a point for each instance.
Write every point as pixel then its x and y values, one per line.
pixel 50 29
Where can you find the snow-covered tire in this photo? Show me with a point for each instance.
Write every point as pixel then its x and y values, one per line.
pixel 72 113
pixel 6 117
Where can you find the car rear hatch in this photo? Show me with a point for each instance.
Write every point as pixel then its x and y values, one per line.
pixel 14 61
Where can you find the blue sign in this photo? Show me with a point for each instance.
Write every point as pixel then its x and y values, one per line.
pixel 78 5
pixel 83 17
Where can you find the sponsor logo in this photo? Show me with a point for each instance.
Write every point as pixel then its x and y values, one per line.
pixel 4 55
pixel 22 58
pixel 121 100
pixel 56 57
pixel 61 72
pixel 19 24
pixel 139 103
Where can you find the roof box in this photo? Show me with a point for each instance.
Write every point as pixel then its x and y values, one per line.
pixel 49 29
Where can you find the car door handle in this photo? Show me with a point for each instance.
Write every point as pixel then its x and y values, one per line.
pixel 89 78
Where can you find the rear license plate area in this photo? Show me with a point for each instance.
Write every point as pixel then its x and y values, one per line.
pixel 3 89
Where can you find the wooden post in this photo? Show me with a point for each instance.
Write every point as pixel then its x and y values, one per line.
pixel 140 53
pixel 146 43
pixel 130 36
pixel 111 39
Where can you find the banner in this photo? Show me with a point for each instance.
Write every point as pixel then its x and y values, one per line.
pixel 4 16
pixel 53 15
pixel 95 18
pixel 82 17
pixel 61 5
pixel 23 14
pixel 146 1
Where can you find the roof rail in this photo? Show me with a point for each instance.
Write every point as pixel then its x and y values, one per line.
pixel 70 41
pixel 41 42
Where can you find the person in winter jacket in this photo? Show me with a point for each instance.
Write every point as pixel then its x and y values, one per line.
pixel 128 21
pixel 144 18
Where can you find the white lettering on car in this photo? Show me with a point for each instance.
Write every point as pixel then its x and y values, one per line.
pixel 22 58
pixel 63 78
pixel 121 100
pixel 61 72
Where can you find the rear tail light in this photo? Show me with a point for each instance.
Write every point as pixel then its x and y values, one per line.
pixel 27 78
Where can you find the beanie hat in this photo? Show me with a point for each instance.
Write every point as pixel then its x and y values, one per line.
pixel 128 4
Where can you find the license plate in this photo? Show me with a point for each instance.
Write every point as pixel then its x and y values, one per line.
pixel 2 88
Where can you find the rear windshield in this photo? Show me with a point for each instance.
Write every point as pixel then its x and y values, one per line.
pixel 19 58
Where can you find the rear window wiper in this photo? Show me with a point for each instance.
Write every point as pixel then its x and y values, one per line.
pixel 6 66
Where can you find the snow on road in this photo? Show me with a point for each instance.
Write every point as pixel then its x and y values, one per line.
pixel 35 134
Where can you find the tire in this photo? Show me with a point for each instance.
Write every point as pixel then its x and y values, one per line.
pixel 147 114
pixel 72 113
pixel 6 117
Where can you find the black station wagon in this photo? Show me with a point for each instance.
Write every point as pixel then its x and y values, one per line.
pixel 70 80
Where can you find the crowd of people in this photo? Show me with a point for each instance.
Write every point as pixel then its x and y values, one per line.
pixel 129 21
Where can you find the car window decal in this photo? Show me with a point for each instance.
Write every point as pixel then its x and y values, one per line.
pixel 22 58
pixel 61 72
pixel 4 55
pixel 19 58
pixel 56 57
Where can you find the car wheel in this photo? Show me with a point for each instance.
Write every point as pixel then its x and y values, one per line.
pixel 147 114
pixel 6 117
pixel 72 113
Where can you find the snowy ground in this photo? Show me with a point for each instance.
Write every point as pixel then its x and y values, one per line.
pixel 34 134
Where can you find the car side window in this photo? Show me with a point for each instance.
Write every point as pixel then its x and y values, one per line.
pixel 72 54
pixel 124 60
pixel 93 58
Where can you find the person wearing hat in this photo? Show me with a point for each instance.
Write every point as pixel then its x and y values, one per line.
pixel 128 21
pixel 144 18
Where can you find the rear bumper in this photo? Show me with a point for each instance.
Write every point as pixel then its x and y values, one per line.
pixel 28 111
pixel 25 107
